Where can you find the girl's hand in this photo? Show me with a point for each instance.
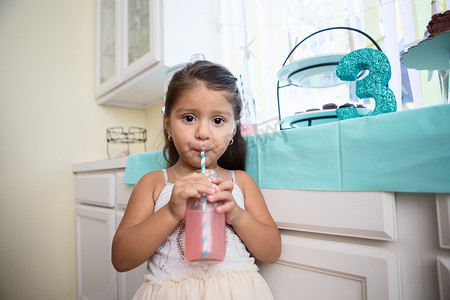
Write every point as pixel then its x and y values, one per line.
pixel 223 194
pixel 189 186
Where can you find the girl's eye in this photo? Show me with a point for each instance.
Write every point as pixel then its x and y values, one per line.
pixel 218 121
pixel 189 118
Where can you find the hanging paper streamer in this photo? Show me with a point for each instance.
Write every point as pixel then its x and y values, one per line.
pixel 374 85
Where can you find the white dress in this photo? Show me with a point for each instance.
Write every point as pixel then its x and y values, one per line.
pixel 170 276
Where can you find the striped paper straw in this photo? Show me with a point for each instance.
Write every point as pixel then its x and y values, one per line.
pixel 205 233
pixel 205 223
pixel 202 157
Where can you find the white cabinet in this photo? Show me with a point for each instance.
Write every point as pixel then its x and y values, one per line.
pixel 123 191
pixel 335 245
pixel 364 214
pixel 139 40
pixel 315 269
pixel 444 276
pixel 443 213
pixel 129 282
pixel 101 201
pixel 96 275
pixel 360 245
pixel 96 189
pixel 108 47
pixel 127 40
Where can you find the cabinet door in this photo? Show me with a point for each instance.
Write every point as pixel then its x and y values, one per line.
pixel 129 282
pixel 443 214
pixel 140 32
pixel 97 279
pixel 443 264
pixel 108 46
pixel 314 269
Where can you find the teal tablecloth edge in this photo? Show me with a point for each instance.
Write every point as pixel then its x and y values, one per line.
pixel 140 164
pixel 406 151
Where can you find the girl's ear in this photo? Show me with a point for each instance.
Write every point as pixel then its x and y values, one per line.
pixel 236 124
pixel 166 124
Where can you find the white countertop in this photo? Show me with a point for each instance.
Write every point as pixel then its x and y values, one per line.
pixel 107 164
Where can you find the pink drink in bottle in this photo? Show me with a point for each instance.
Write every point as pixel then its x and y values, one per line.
pixel 205 230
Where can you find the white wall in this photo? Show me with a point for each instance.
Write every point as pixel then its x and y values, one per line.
pixel 48 121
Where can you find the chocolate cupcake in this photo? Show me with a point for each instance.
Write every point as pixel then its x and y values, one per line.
pixel 346 105
pixel 439 23
pixel 329 106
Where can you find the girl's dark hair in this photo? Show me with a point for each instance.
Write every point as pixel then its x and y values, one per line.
pixel 214 77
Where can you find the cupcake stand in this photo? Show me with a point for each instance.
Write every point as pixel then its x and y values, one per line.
pixel 363 205
pixel 314 73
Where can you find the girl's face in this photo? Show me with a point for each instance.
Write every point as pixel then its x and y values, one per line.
pixel 201 120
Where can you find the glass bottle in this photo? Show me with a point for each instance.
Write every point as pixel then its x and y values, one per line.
pixel 205 230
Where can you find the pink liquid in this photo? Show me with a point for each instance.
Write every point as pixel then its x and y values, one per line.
pixel 215 236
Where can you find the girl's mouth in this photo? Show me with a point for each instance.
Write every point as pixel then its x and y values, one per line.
pixel 201 150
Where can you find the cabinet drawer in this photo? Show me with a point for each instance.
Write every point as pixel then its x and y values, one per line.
pixel 96 189
pixel 123 191
pixel 368 215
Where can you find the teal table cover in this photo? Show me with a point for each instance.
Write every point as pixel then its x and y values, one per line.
pixel 407 151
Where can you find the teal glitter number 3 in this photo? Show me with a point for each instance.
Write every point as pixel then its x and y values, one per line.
pixel 374 85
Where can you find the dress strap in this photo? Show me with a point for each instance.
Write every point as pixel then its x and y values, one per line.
pixel 233 176
pixel 165 175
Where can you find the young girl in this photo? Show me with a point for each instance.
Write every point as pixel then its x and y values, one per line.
pixel 202 111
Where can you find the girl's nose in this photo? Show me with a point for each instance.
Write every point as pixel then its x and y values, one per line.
pixel 202 132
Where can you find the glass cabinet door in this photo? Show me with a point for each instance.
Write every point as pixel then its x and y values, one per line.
pixel 128 44
pixel 138 29
pixel 107 45
pixel 140 35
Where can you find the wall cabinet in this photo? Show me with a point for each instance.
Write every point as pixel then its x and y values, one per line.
pixel 138 41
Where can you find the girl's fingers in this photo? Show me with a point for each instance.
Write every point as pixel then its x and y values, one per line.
pixel 226 207
pixel 225 186
pixel 224 196
pixel 196 190
pixel 208 188
pixel 194 178
pixel 196 184
pixel 217 180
